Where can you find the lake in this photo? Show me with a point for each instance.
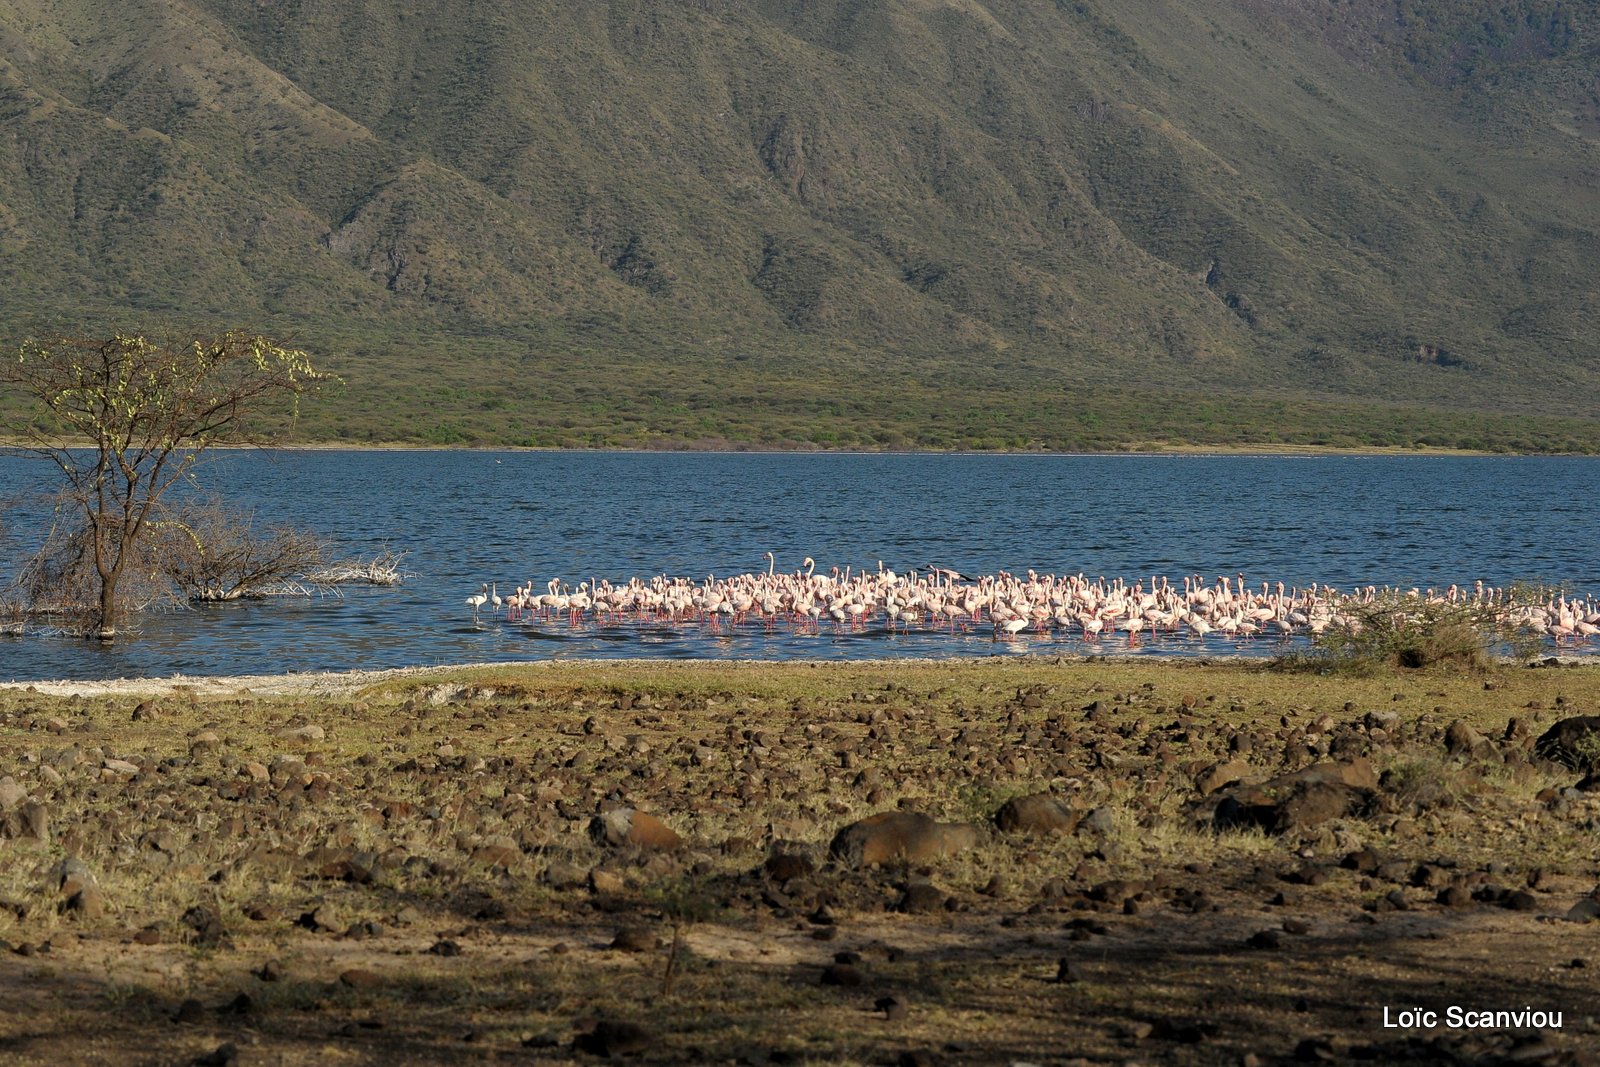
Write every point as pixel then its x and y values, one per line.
pixel 465 518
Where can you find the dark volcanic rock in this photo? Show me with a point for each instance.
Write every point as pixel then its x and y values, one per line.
pixel 1038 813
pixel 1586 910
pixel 1302 799
pixel 922 897
pixel 611 1037
pixel 1573 742
pixel 841 974
pixel 634 939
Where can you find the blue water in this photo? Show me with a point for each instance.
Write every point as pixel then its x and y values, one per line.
pixel 471 517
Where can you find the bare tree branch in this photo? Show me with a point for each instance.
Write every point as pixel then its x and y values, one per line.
pixel 127 418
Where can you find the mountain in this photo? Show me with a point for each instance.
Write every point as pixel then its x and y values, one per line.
pixel 1080 223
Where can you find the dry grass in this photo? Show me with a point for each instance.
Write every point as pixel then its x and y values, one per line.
pixel 421 774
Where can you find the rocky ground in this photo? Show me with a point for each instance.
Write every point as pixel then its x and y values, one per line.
pixel 960 863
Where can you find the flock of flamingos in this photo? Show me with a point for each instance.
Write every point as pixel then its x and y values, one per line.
pixel 1009 606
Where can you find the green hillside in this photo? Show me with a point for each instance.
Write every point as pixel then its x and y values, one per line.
pixel 1087 223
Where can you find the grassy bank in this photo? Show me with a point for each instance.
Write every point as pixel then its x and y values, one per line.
pixel 406 871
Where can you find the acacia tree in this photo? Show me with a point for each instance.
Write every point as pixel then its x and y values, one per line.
pixel 126 417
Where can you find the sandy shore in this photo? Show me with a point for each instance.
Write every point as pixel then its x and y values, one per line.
pixel 335 682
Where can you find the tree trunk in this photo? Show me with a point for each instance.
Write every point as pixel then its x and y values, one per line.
pixel 108 619
pixel 108 606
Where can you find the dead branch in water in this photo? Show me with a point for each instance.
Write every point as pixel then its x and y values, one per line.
pixel 382 569
pixel 214 553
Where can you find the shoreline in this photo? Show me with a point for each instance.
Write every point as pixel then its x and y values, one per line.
pixel 1153 448
pixel 339 682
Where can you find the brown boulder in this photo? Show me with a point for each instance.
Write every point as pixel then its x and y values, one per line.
pixel 627 826
pixel 1038 813
pixel 1219 775
pixel 1301 799
pixel 901 835
pixel 1462 740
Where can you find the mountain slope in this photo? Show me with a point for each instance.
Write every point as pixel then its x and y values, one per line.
pixel 838 222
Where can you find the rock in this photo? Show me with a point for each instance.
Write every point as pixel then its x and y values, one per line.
pixel 190 1011
pixel 1362 861
pixel 207 930
pixel 611 1037
pixel 303 733
pixel 1573 742
pixel 323 918
pixel 86 903
pixel 893 1008
pixel 634 939
pixel 79 891
pixel 224 1055
pixel 901 835
pixel 30 821
pixel 842 974
pixel 627 826
pixel 1462 740
pixel 360 978
pixel 1265 939
pixel 498 850
pixel 146 711
pixel 1522 900
pixel 343 864
pixel 606 883
pixel 1068 971
pixel 203 742
pixel 1586 910
pixel 1219 775
pixel 789 861
pixel 120 766
pixel 1037 813
pixel 445 948
pixel 1099 821
pixel 1302 799
pixel 922 897
pixel 562 874
pixel 11 794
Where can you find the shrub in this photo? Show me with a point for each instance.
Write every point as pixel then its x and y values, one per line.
pixel 1405 629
